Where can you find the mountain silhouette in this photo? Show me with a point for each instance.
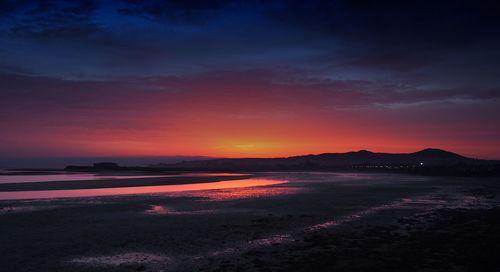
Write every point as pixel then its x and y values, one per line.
pixel 430 161
pixel 330 161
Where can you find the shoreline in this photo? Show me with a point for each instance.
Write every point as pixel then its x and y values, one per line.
pixel 114 183
pixel 318 222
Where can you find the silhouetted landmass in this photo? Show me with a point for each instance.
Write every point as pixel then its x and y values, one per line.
pixel 106 165
pixel 98 166
pixel 425 162
pixel 428 161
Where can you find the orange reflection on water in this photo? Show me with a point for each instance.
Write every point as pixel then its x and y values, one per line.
pixel 244 193
pixel 139 189
pixel 223 174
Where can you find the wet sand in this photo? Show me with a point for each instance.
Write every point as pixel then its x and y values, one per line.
pixel 315 222
pixel 114 183
pixel 135 190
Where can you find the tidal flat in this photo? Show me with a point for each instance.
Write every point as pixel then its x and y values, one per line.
pixel 312 221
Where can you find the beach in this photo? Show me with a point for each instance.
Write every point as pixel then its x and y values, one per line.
pixel 313 221
pixel 117 181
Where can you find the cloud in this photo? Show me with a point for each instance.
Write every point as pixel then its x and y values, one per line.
pixel 437 23
pixel 415 42
pixel 242 91
pixel 396 38
pixel 50 19
pixel 169 115
pixel 175 11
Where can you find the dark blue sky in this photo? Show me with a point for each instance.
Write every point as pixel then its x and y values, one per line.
pixel 430 68
pixel 409 41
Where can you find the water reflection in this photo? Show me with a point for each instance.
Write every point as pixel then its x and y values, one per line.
pixel 240 183
pixel 245 193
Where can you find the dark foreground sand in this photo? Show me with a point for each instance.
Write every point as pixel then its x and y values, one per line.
pixel 316 222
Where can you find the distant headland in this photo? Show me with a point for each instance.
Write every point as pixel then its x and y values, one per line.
pixel 429 161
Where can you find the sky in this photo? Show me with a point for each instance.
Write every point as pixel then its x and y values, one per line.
pixel 248 78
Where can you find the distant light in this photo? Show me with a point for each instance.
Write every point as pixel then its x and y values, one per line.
pixel 421 163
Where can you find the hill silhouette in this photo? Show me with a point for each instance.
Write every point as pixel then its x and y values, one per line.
pixel 357 158
pixel 429 160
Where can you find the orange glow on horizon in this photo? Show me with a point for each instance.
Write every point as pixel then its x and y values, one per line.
pixel 257 120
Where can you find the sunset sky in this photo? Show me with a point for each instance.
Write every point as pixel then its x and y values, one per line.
pixel 248 78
